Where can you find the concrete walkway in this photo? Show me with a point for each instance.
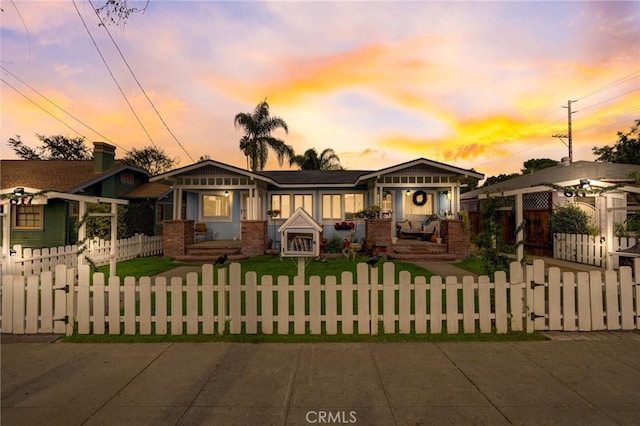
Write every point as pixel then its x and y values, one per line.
pixel 550 382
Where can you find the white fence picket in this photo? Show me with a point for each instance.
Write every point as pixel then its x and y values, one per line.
pixel 31 304
pixel 28 261
pixel 46 302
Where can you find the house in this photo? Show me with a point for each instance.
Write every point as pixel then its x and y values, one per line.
pixel 594 186
pixel 248 206
pixel 41 200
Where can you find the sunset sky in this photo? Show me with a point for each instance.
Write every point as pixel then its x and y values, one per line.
pixel 474 84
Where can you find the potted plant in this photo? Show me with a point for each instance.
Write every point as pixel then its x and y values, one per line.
pixel 372 212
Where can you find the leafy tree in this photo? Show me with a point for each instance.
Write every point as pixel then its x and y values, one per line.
pixel 536 164
pixel 626 150
pixel 257 139
pixel 500 178
pixel 151 158
pixel 310 160
pixel 56 147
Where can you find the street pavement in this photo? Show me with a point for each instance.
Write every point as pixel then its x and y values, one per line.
pixel 576 382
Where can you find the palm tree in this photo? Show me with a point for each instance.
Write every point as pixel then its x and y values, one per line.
pixel 310 160
pixel 257 139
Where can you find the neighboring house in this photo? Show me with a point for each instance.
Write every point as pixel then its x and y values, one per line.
pixel 544 190
pixel 50 220
pixel 223 196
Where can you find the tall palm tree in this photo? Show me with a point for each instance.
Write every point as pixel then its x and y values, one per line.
pixel 310 160
pixel 257 139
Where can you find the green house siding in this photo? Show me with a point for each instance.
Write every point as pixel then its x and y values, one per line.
pixel 53 232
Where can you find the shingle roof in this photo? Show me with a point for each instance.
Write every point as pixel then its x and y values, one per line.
pixel 54 175
pixel 310 177
pixel 606 172
pixel 148 190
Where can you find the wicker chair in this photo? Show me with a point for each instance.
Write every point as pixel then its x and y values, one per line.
pixel 201 230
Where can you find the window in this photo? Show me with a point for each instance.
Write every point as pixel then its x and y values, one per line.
pixel 331 208
pixel 216 206
pixel 353 203
pixel 28 217
pixel 282 203
pixel 126 178
pixel 305 201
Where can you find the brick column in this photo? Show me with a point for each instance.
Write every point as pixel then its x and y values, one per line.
pixel 378 231
pixel 457 241
pixel 254 237
pixel 176 236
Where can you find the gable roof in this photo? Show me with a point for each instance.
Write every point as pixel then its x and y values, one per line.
pixel 605 172
pixel 434 165
pixel 57 175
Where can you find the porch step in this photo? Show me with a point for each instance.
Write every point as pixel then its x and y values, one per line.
pixel 424 248
pixel 214 249
pixel 421 256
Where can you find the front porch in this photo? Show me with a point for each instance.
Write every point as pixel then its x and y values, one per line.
pixel 178 241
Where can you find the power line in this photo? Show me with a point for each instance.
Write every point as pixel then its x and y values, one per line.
pixel 62 109
pixel 138 83
pixel 36 104
pixel 111 74
pixel 612 84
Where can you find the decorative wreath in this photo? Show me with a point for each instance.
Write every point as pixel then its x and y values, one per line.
pixel 420 198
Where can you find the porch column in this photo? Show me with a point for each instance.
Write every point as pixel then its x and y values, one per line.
pixel 177 203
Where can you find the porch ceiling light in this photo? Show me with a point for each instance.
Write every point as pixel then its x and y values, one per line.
pixel 449 195
pixel 408 192
pixel 226 193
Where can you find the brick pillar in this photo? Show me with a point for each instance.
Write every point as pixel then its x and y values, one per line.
pixel 457 241
pixel 254 237
pixel 176 236
pixel 378 231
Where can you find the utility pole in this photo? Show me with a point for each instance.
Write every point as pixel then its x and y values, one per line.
pixel 568 135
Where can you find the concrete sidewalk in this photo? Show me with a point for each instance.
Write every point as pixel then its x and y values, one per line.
pixel 550 382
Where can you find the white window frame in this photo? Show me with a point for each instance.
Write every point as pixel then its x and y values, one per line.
pixel 224 218
pixel 342 200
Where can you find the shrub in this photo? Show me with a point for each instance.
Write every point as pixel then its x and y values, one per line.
pixel 570 219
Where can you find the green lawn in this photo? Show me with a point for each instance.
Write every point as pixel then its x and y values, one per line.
pixel 141 267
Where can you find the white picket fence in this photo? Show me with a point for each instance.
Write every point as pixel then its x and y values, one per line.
pixel 27 261
pixel 587 249
pixel 228 301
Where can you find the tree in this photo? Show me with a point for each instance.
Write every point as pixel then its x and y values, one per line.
pixel 310 160
pixel 257 139
pixel 536 164
pixel 56 147
pixel 118 11
pixel 151 158
pixel 500 178
pixel 626 150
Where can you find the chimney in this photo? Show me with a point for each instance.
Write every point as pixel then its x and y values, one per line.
pixel 104 156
